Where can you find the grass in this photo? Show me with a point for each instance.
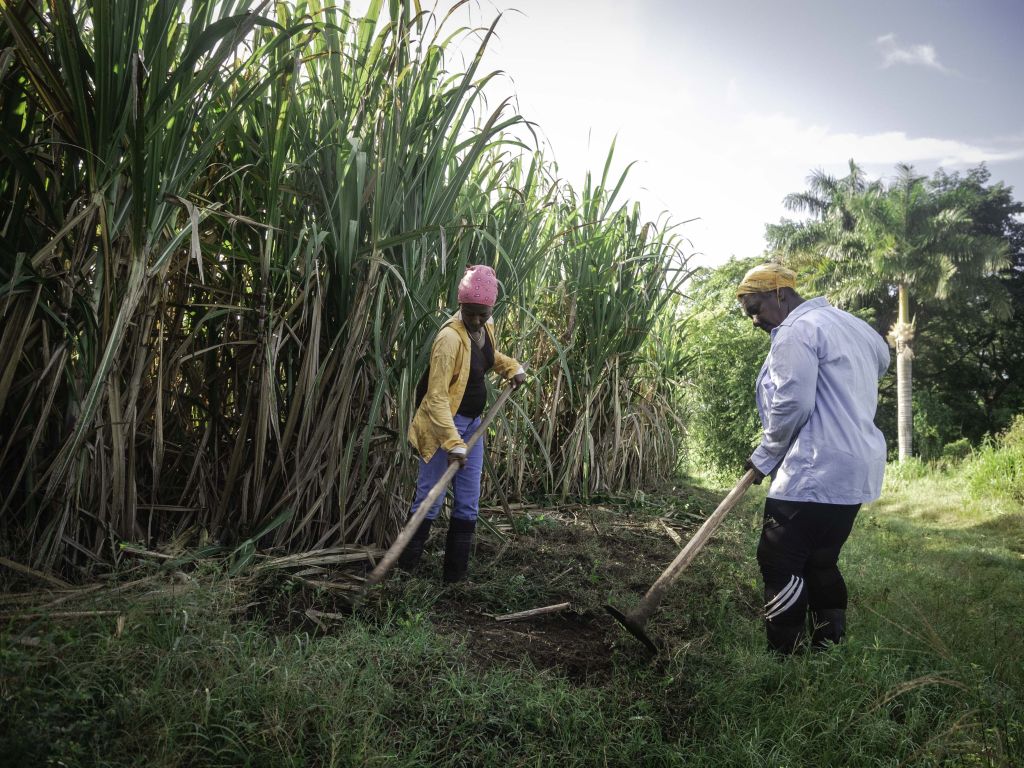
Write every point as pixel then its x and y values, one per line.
pixel 233 671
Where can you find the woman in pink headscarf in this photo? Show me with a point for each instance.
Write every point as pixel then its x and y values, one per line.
pixel 450 401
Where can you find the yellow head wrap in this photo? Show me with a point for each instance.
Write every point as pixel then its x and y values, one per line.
pixel 766 277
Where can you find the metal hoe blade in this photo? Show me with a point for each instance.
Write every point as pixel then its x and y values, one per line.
pixel 633 627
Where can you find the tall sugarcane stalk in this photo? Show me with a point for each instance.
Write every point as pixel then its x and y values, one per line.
pixel 224 252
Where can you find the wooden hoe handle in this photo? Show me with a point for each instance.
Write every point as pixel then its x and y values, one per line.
pixel 654 595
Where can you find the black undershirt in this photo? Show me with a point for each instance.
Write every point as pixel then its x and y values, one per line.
pixel 480 362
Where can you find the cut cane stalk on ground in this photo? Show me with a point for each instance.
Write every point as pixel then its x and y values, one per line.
pixel 635 620
pixel 399 545
pixel 534 612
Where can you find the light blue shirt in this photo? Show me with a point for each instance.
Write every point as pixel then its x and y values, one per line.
pixel 817 394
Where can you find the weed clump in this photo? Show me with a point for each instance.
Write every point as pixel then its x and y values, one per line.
pixel 997 468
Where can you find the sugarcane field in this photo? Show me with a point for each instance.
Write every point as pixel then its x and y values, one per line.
pixel 556 383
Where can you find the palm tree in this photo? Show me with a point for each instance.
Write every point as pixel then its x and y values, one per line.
pixel 900 239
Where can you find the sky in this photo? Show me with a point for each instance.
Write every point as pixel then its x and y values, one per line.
pixel 726 106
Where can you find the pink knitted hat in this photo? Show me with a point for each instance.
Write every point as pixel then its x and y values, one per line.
pixel 479 286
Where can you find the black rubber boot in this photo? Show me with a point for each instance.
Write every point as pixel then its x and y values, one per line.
pixel 456 549
pixel 412 553
pixel 784 639
pixel 828 625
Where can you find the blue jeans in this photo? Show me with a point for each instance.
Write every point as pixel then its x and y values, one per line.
pixel 466 483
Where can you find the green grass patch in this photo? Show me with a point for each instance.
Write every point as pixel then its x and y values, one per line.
pixel 234 672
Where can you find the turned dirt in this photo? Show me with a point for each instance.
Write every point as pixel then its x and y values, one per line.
pixel 586 561
pixel 587 557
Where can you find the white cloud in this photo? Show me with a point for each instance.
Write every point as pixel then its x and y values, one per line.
pixel 788 137
pixel 705 138
pixel 733 168
pixel 923 55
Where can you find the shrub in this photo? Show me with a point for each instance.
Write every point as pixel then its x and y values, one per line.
pixel 721 415
pixel 935 425
pixel 1013 437
pixel 898 474
pixel 997 469
pixel 958 450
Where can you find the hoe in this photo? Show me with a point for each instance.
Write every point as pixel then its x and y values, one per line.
pixel 635 620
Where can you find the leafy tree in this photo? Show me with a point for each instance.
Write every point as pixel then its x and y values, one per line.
pixel 721 416
pixel 905 240
pixel 967 355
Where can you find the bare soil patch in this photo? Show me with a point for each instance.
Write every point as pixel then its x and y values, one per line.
pixel 587 560
pixel 574 645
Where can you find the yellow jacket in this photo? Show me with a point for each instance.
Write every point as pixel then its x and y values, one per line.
pixel 433 426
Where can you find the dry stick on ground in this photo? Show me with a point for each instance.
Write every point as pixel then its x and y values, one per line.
pixel 84 614
pixel 533 612
pixel 139 552
pixel 672 534
pixel 49 599
pixel 64 614
pixel 84 593
pixel 339 586
pixel 24 569
pixel 399 545
pixel 316 615
pixel 567 570
pixel 36 596
pixel 590 517
pixel 34 642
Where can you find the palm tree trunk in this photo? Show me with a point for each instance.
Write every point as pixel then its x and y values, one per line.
pixel 903 334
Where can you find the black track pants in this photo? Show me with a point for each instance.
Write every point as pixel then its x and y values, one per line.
pixel 799 555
